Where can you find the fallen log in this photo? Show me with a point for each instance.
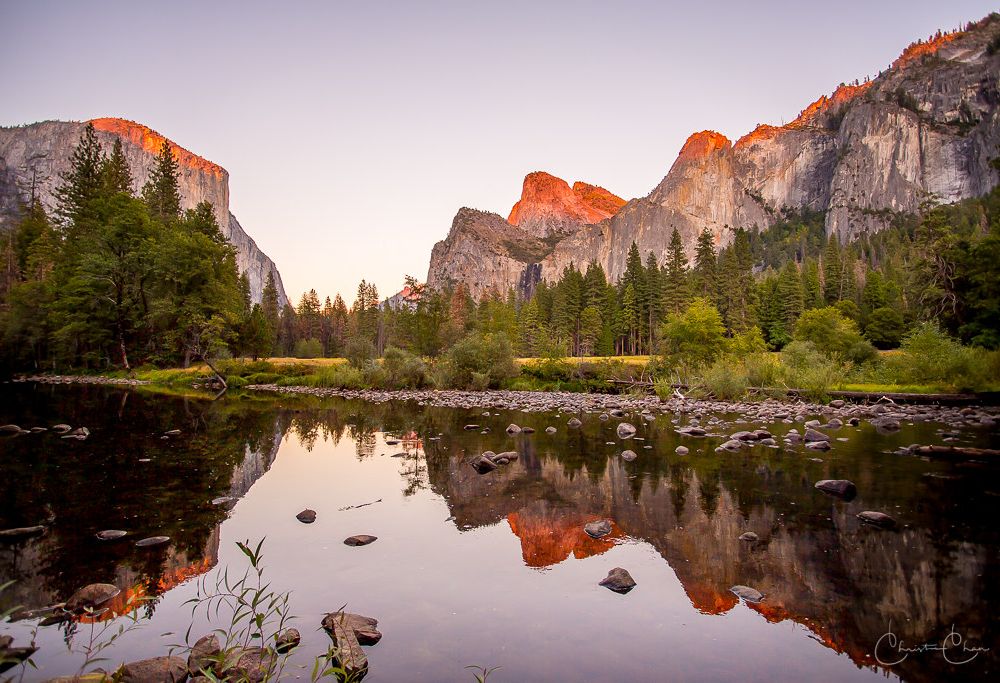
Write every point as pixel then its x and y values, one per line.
pixel 955 452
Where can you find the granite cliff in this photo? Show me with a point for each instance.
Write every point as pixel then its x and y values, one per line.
pixel 42 151
pixel 924 129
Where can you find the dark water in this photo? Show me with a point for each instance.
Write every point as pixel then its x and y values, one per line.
pixel 495 570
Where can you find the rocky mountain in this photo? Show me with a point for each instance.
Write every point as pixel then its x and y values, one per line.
pixel 926 128
pixel 41 152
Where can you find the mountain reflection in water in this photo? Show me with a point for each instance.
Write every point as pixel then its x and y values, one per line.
pixel 816 564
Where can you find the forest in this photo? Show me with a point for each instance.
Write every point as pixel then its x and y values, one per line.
pixel 113 281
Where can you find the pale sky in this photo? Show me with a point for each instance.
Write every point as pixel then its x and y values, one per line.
pixel 353 131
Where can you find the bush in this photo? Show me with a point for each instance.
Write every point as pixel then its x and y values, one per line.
pixel 748 342
pixel 337 377
pixel 693 338
pixel 763 370
pixel 885 328
pixel 404 370
pixel 359 352
pixel 477 361
pixel 805 368
pixel 726 379
pixel 308 348
pixel 833 334
pixel 929 356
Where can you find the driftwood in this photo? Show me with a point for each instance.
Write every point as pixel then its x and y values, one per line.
pixel 955 452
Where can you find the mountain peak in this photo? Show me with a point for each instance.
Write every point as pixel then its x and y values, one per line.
pixel 702 144
pixel 547 200
pixel 151 141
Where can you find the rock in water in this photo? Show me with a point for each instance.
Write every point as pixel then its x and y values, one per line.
pixel 550 430
pixel 747 593
pixel 61 428
pixel 287 640
pixel 879 519
pixel 110 534
pixel 507 455
pixel 307 516
pixel 483 464
pixel 598 529
pixel 91 596
pixel 513 429
pixel 155 670
pixel 254 665
pixel 348 633
pixel 618 580
pixel 21 533
pixel 813 435
pixel 360 539
pixel 629 456
pixel 681 450
pixel 841 488
pixel 204 655
pixel 748 536
pixel 625 430
pixel 573 422
pixel 469 428
pixel 152 540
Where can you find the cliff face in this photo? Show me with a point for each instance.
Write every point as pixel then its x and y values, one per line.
pixel 549 205
pixel 42 150
pixel 927 128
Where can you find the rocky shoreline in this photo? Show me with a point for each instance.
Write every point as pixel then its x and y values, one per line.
pixel 884 414
pixel 82 379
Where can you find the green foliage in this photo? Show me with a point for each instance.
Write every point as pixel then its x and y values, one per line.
pixel 885 327
pixel 928 355
pixel 478 361
pixel 693 338
pixel 725 379
pixel 308 348
pixel 359 352
pixel 404 370
pixel 833 334
pixel 810 370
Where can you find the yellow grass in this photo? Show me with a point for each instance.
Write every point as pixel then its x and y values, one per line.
pixel 628 360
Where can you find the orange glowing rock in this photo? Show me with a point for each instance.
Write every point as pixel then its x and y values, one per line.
pixel 703 144
pixel 544 196
pixel 151 141
pixel 917 50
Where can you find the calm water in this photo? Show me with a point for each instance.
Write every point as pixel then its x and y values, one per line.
pixel 495 570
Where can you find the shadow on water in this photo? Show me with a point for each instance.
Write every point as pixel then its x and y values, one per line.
pixel 817 565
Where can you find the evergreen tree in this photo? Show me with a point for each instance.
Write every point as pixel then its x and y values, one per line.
pixel 676 290
pixel 270 311
pixel 81 184
pixel 833 271
pixel 704 279
pixel 116 176
pixel 737 291
pixel 161 192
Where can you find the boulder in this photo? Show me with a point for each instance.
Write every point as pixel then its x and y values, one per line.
pixel 573 422
pixel 254 665
pixel 747 593
pixel 598 529
pixel 681 450
pixel 155 670
pixel 348 633
pixel 483 464
pixel 506 455
pixel 618 580
pixel 629 456
pixel 841 488
pixel 307 516
pixel 749 536
pixel 812 435
pixel 151 541
pixel 287 640
pixel 625 430
pixel 204 654
pixel 550 430
pixel 879 519
pixel 91 596
pixel 360 539
pixel 513 429
pixel 110 534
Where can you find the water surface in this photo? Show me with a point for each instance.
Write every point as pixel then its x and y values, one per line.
pixel 495 569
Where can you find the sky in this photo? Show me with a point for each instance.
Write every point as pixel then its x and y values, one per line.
pixel 354 131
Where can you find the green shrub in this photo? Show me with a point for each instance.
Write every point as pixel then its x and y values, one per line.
pixel 477 361
pixel 308 348
pixel 403 370
pixel 763 370
pixel 336 377
pixel 726 379
pixel 833 334
pixel 693 338
pixel 930 356
pixel 359 352
pixel 885 328
pixel 747 342
pixel 805 368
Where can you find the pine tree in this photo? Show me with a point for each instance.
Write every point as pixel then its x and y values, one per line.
pixel 676 290
pixel 81 184
pixel 833 271
pixel 116 176
pixel 655 298
pixel 737 291
pixel 704 277
pixel 161 192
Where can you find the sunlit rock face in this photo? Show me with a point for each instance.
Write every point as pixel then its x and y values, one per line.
pixel 41 152
pixel 549 205
pixel 926 128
